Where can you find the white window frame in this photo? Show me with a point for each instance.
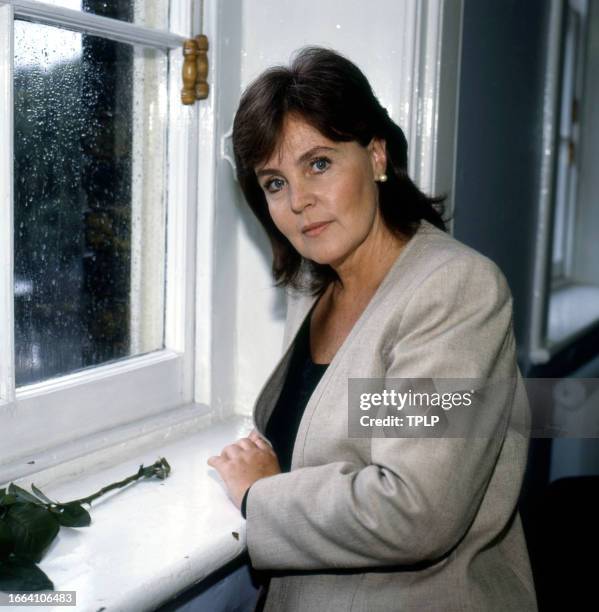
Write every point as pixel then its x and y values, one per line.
pixel 81 407
pixel 569 141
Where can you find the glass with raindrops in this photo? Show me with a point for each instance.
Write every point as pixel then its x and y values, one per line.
pixel 89 200
pixel 148 13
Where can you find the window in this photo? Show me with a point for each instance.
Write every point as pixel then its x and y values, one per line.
pixel 568 145
pixel 97 211
pixel 89 196
pixel 566 283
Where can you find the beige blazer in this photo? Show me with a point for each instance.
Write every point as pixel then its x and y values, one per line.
pixel 387 524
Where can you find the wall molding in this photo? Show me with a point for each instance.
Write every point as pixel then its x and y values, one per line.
pixel 432 33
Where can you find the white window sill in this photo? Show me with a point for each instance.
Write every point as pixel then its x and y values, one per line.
pixel 572 310
pixel 154 539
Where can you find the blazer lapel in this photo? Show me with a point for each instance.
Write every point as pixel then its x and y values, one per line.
pixel 297 311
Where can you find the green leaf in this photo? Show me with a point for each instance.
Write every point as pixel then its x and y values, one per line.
pixel 41 494
pixel 7 500
pixel 6 540
pixel 23 495
pixel 23 575
pixel 72 515
pixel 33 529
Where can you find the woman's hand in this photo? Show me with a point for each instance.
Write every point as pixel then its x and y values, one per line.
pixel 242 463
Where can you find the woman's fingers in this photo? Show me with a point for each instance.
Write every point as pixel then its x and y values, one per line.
pixel 243 444
pixel 215 461
pixel 233 451
pixel 263 444
pixel 259 441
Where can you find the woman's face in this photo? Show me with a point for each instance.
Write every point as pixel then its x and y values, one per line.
pixel 311 180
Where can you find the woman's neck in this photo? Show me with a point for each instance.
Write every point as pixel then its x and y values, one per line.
pixel 362 274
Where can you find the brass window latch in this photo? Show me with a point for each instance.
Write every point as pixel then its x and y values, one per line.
pixel 195 70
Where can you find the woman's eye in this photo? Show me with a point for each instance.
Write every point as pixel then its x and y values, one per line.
pixel 274 185
pixel 321 164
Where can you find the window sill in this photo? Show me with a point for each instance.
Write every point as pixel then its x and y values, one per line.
pixel 154 539
pixel 573 309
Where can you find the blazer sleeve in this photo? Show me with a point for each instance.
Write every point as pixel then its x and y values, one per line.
pixel 418 496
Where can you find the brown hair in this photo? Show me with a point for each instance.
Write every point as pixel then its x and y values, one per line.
pixel 332 95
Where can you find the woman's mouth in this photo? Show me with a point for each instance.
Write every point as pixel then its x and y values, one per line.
pixel 315 229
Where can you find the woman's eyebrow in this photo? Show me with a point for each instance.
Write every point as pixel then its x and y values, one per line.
pixel 304 157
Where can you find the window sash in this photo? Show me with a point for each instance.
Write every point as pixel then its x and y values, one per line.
pixel 105 27
pixel 567 169
pixel 81 404
pixel 6 209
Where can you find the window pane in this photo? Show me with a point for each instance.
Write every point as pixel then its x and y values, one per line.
pixel 89 190
pixel 149 13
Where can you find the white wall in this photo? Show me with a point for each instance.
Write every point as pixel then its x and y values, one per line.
pixel 368 33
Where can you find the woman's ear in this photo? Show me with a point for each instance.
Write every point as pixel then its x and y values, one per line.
pixel 378 156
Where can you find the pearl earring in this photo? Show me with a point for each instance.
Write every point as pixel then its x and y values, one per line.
pixel 382 178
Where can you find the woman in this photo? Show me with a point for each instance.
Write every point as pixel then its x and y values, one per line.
pixel 376 290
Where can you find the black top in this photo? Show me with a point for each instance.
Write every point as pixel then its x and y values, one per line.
pixel 302 377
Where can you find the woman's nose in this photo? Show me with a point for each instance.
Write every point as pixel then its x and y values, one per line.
pixel 301 196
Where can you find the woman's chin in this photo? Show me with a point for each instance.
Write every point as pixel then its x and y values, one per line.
pixel 324 254
pixel 322 259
